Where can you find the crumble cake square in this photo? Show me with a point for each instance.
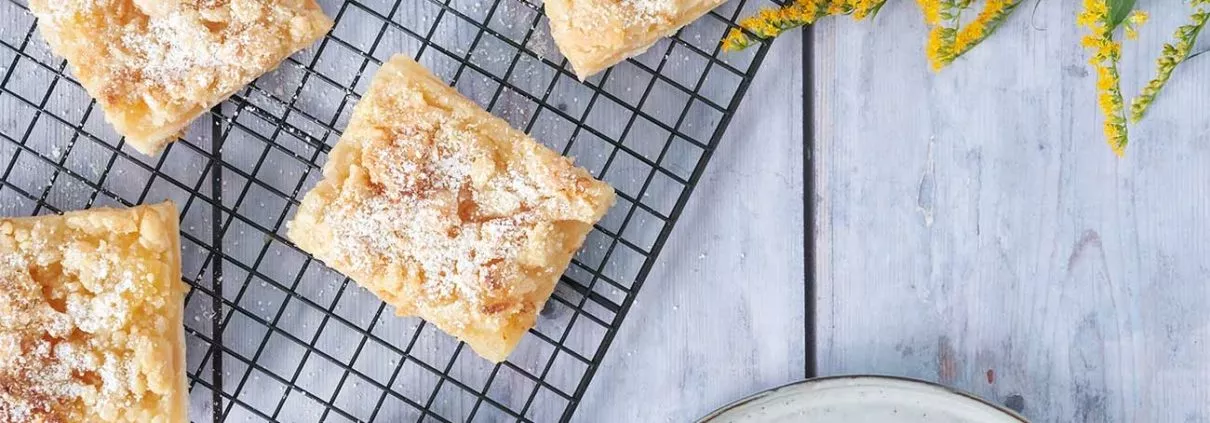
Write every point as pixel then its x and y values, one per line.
pixel 596 34
pixel 90 317
pixel 445 212
pixel 155 65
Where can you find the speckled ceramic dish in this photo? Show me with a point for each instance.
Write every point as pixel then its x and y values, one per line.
pixel 850 399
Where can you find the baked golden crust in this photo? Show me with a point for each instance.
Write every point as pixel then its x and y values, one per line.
pixel 445 212
pixel 90 317
pixel 596 34
pixel 155 65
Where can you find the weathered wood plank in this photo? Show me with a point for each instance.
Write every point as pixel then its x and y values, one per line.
pixel 974 229
pixel 721 315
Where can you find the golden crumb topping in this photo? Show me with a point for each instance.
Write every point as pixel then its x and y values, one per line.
pixel 155 65
pixel 444 211
pixel 431 198
pixel 596 34
pixel 469 207
pixel 90 317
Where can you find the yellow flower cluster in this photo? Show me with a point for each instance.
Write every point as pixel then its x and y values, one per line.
pixel 993 14
pixel 949 38
pixel 771 22
pixel 1136 19
pixel 941 17
pixel 932 11
pixel 940 46
pixel 864 8
pixel 1173 54
pixel 1106 53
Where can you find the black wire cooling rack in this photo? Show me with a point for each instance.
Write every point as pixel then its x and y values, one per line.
pixel 275 336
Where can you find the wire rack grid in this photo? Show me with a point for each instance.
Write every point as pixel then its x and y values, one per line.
pixel 273 335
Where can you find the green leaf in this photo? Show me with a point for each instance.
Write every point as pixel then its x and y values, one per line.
pixel 1119 10
pixel 877 7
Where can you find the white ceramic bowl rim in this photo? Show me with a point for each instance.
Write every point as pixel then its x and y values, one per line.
pixel 857 378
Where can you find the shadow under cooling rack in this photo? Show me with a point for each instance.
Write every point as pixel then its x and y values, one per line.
pixel 274 335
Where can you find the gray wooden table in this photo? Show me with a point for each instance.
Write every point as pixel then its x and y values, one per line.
pixel 971 228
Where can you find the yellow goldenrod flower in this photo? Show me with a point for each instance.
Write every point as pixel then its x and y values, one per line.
pixel 771 22
pixel 969 35
pixel 1106 52
pixel 1096 12
pixel 940 47
pixel 931 10
pixel 949 38
pixel 1173 54
pixel 993 14
pixel 1137 18
pixel 864 8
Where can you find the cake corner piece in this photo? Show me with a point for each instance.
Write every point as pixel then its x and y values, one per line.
pixel 596 34
pixel 91 311
pixel 445 212
pixel 154 67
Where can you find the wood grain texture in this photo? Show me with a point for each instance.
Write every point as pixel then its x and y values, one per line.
pixel 721 315
pixel 974 229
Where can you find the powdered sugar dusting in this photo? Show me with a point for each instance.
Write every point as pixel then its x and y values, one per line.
pixel 648 12
pixel 425 209
pixel 445 212
pixel 621 15
pixel 177 47
pixel 74 330
pixel 154 65
pixel 182 50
